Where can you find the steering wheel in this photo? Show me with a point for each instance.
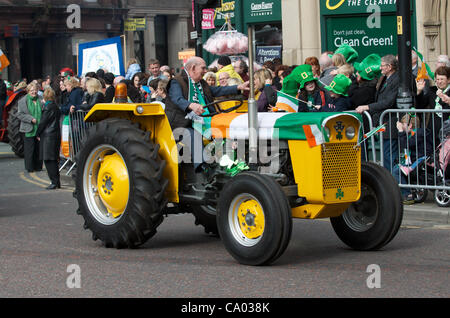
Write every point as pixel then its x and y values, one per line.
pixel 218 110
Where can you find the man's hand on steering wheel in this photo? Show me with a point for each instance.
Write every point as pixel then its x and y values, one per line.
pixel 214 107
pixel 197 108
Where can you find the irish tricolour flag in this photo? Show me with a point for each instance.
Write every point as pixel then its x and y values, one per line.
pixel 314 135
pixel 4 62
pixel 280 125
pixel 286 102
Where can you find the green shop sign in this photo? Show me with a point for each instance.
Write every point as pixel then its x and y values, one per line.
pixel 355 6
pixel 227 8
pixel 258 11
pixel 369 26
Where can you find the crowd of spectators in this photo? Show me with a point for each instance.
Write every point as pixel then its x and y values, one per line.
pixel 332 82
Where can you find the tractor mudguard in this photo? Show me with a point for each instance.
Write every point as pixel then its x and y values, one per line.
pixel 151 118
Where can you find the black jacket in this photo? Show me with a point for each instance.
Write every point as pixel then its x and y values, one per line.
pixel 75 98
pixel 386 98
pixel 91 100
pixel 177 103
pixel 3 94
pixel 420 144
pixel 364 94
pixel 109 94
pixel 50 132
pixel 319 96
pixel 267 98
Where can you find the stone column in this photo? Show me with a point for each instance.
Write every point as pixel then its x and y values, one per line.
pixel 13 49
pixel 291 25
pixel 310 26
pixel 301 30
pixel 433 24
pixel 177 37
pixel 444 34
pixel 149 39
pixel 129 46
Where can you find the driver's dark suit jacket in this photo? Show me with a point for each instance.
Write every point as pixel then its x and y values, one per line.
pixel 177 103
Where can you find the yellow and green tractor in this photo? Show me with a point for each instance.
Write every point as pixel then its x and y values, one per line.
pixel 129 176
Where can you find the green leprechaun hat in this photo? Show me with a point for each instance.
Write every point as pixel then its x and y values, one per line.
pixel 297 79
pixel 370 67
pixel 349 53
pixel 340 85
pixel 305 74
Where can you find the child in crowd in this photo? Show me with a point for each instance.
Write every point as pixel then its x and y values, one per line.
pixel 310 94
pixel 338 90
pixel 414 145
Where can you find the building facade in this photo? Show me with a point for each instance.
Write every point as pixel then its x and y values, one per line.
pixel 40 36
pixel 163 33
pixel 303 26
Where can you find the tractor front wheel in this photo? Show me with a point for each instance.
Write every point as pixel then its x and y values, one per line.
pixel 374 220
pixel 254 219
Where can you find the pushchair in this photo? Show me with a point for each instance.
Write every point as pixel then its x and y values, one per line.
pixel 435 170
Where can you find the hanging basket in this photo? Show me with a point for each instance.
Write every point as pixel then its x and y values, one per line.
pixel 227 41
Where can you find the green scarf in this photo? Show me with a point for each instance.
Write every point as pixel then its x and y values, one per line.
pixel 196 95
pixel 438 106
pixel 34 107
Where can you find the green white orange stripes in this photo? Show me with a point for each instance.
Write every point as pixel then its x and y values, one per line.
pixel 286 102
pixel 287 126
pixel 314 135
pixel 4 62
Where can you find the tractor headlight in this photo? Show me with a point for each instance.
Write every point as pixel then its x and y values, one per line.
pixel 350 132
pixel 140 109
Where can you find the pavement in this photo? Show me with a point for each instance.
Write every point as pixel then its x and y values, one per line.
pixel 427 214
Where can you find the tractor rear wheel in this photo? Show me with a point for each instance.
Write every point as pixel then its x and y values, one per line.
pixel 120 184
pixel 374 220
pixel 254 219
pixel 14 136
pixel 206 216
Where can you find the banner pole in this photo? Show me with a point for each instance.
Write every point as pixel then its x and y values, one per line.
pixel 78 56
pixel 124 49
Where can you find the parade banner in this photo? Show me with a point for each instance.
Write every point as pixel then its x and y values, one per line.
pixel 105 54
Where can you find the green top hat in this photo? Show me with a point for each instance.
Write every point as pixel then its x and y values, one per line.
pixel 303 74
pixel 290 86
pixel 370 67
pixel 349 53
pixel 340 85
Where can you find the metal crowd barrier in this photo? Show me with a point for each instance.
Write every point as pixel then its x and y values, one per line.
pixel 370 144
pixel 411 170
pixel 77 131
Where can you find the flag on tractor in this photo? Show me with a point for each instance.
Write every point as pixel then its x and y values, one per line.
pixel 4 62
pixel 314 135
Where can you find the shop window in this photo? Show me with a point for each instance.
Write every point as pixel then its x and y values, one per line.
pixel 268 34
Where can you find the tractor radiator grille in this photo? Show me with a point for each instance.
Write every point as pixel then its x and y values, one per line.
pixel 340 165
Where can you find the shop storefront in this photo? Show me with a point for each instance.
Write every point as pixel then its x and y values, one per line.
pixel 265 16
pixel 369 26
